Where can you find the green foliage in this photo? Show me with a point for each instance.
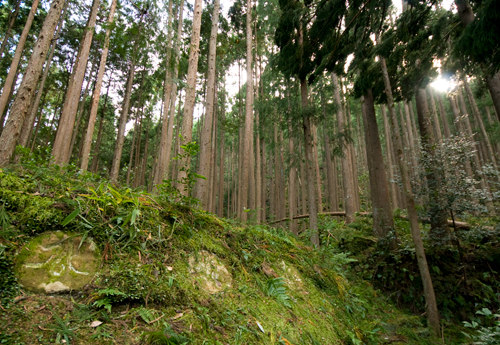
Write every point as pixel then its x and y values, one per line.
pixel 485 334
pixel 61 327
pixel 168 188
pixel 275 287
pixel 107 297
pixel 165 337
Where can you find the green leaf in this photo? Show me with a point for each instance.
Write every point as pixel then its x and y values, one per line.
pixel 70 217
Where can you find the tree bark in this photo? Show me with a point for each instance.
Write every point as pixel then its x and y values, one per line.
pixel 348 174
pixel 167 120
pixel 203 188
pixel 493 83
pixel 439 227
pixel 20 107
pixel 27 130
pixel 12 19
pixel 309 156
pixel 87 145
pixel 117 156
pixel 60 152
pixel 444 117
pixel 430 297
pixel 389 153
pixel 248 133
pixel 435 118
pixel 383 221
pixel 187 118
pixel 220 200
pixel 9 80
pixel 479 121
pixel 80 112
pixel 95 159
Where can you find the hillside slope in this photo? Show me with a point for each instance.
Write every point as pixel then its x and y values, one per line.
pixel 172 274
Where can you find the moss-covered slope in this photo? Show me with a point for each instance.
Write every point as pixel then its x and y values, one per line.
pixel 172 274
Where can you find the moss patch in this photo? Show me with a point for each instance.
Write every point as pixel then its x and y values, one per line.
pixel 57 262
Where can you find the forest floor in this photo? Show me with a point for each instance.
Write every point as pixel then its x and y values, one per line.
pixel 172 274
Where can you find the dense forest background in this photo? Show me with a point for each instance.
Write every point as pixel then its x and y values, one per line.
pixel 279 112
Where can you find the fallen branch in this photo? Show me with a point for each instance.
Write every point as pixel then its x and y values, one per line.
pixel 458 225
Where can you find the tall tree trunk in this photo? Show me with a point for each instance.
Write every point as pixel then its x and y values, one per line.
pixel 144 161
pixel 444 117
pixel 248 133
pixel 438 216
pixel 383 221
pixel 20 108
pixel 292 184
pixel 187 118
pixel 80 112
pixel 316 169
pixel 479 121
pixel 493 83
pixel 87 144
pixel 167 120
pixel 27 130
pixel 9 80
pixel 389 153
pixel 9 100
pixel 264 188
pixel 60 152
pixel 430 297
pixel 98 142
pixel 309 156
pixel 348 174
pixel 12 19
pixel 117 156
pixel 435 118
pixel 220 200
pixel 132 152
pixel 202 191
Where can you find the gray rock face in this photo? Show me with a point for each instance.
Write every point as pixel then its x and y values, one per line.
pixel 57 262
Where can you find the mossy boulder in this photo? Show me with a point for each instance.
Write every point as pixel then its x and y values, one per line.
pixel 209 272
pixel 57 262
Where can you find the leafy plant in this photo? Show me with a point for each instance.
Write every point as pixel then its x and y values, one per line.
pixel 168 188
pixel 275 287
pixel 485 335
pixel 110 295
pixel 62 329
pixel 165 337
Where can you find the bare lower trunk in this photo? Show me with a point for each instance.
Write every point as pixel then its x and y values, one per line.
pixel 220 201
pixel 248 133
pixel 20 108
pixel 87 144
pixel 292 185
pixel 9 80
pixel 316 169
pixel 61 153
pixel 389 155
pixel 493 83
pixel 166 120
pixel 12 19
pixel 187 118
pixel 439 226
pixel 479 121
pixel 95 159
pixel 435 118
pixel 308 147
pixel 383 221
pixel 444 117
pixel 348 174
pixel 29 121
pixel 430 297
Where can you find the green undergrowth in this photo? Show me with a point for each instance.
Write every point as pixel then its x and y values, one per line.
pixel 172 274
pixel 465 273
